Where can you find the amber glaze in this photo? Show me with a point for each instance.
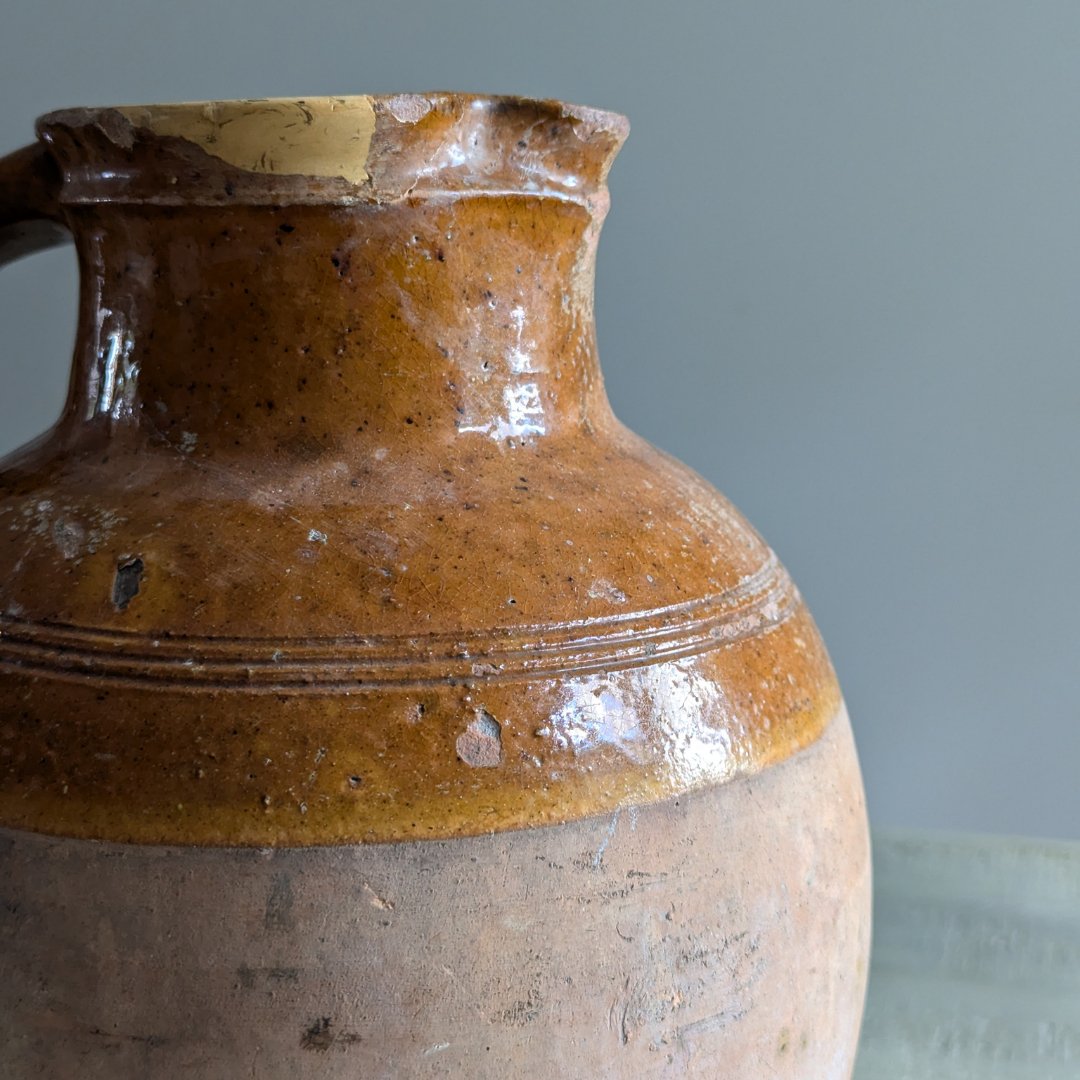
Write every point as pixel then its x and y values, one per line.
pixel 337 538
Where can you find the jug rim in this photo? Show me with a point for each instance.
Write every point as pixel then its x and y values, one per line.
pixel 374 147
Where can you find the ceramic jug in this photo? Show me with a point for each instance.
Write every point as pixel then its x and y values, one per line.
pixel 372 702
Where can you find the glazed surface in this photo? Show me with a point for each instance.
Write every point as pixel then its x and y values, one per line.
pixel 720 934
pixel 338 539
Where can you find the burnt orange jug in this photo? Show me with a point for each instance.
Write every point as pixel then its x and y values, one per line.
pixel 372 702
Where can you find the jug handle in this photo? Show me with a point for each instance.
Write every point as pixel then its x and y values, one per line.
pixel 31 218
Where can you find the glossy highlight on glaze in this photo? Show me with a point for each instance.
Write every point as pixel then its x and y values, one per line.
pixel 337 447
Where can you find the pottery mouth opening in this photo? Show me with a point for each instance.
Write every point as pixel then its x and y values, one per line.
pixel 363 148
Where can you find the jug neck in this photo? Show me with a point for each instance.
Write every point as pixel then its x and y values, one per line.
pixel 257 324
pixel 442 287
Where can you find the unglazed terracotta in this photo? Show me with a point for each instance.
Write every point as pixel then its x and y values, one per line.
pixel 372 702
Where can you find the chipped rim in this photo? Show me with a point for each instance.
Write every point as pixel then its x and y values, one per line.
pixel 406 108
pixel 349 148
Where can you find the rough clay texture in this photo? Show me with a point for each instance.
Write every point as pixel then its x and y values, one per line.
pixel 723 934
pixel 324 136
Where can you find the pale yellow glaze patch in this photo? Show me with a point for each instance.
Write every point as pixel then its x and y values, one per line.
pixel 327 136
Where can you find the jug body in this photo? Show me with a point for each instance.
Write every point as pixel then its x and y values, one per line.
pixel 372 701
